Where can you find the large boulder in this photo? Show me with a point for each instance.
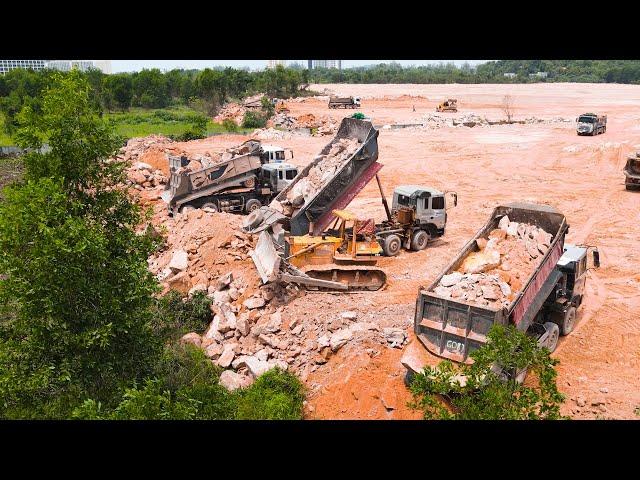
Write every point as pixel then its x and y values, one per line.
pixel 254 302
pixel 232 380
pixel 192 338
pixel 339 339
pixel 179 261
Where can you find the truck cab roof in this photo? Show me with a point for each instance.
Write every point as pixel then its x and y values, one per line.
pixel 272 148
pixel 416 190
pixel 572 253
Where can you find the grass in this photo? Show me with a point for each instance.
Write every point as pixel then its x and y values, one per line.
pixel 5 140
pixel 167 121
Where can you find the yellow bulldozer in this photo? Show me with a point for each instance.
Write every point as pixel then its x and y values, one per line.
pixel 449 105
pixel 346 253
pixel 281 107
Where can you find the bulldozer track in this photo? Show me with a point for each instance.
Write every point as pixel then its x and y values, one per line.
pixel 357 277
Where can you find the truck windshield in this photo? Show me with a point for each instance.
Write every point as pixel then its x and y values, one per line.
pixel 586 119
pixel 406 201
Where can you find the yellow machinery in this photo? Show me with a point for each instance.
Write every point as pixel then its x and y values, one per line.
pixel 449 105
pixel 342 254
pixel 281 107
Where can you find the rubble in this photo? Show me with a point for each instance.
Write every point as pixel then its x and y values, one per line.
pixel 494 274
pixel 232 380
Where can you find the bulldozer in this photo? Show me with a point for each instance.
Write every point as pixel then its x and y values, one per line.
pixel 281 106
pixel 342 258
pixel 449 105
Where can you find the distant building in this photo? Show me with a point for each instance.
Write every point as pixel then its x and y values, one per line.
pixel 275 63
pixel 327 64
pixel 510 75
pixel 7 65
pixel 539 75
pixel 310 64
pixel 62 65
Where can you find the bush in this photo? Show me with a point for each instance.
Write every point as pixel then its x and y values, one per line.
pixel 173 316
pixel 254 120
pixel 275 395
pixel 488 395
pixel 229 125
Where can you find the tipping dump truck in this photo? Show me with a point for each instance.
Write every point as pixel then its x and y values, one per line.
pixel 544 306
pixel 632 172
pixel 307 207
pixel 241 184
pixel 591 124
pixel 344 102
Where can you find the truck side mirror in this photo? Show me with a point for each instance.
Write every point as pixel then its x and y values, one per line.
pixel 596 258
pixel 455 199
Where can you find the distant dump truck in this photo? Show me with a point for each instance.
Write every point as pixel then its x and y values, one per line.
pixel 344 102
pixel 449 105
pixel 453 315
pixel 241 184
pixel 632 172
pixel 591 124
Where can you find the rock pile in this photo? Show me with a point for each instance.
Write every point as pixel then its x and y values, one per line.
pixel 231 111
pixel 318 176
pixel 136 147
pixel 142 175
pixel 493 275
pixel 324 125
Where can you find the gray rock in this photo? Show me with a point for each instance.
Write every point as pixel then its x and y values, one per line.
pixel 339 339
pixel 232 380
pixel 233 293
pixel 179 261
pixel 224 281
pixel 242 324
pixel 254 302
pixel 394 336
pixel 256 367
pixel 262 355
pixel 324 341
pixel 214 350
pixel 275 322
pixel 504 223
pixel 442 291
pixel 227 319
pixel 349 315
pixel 227 356
pixel 297 331
pixel 513 229
pixel 201 287
pixel 221 297
pixel 192 338
pixel 272 342
pixel 451 279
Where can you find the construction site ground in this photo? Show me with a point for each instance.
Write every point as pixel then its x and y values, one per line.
pixel 486 165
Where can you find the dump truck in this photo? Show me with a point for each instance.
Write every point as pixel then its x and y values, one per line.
pixel 418 215
pixel 344 102
pixel 449 105
pixel 315 215
pixel 544 307
pixel 591 124
pixel 632 172
pixel 241 184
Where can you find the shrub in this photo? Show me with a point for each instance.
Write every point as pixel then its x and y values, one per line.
pixel 175 316
pixel 254 120
pixel 275 395
pixel 229 125
pixel 487 394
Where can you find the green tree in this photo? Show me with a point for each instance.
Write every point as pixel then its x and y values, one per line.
pixel 119 88
pixel 481 391
pixel 75 291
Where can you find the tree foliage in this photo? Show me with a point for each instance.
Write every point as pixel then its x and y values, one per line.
pixel 482 391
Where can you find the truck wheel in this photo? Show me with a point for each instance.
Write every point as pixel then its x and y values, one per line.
pixel 420 240
pixel 186 208
pixel 252 205
pixel 250 183
pixel 568 321
pixel 554 335
pixel 211 206
pixel 392 245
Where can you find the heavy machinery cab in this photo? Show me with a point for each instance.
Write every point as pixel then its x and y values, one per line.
pixel 587 118
pixel 427 204
pixel 279 175
pixel 275 154
pixel 573 264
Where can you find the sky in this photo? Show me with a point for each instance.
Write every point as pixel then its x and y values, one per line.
pixel 118 66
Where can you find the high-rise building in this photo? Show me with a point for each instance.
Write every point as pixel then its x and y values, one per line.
pixel 275 63
pixel 6 65
pixel 327 63
pixel 63 65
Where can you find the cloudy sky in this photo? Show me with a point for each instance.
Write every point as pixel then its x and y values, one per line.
pixel 136 65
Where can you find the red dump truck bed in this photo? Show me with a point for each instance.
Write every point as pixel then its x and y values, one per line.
pixel 453 328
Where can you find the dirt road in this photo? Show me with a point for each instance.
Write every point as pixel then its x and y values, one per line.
pixel 488 165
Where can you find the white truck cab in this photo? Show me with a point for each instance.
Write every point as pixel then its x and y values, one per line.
pixel 280 174
pixel 276 154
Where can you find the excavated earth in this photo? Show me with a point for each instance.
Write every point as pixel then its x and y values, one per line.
pixel 542 161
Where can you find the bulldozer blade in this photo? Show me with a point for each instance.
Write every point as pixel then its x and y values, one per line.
pixel 266 258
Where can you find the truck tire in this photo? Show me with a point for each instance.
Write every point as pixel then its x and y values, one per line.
pixel 186 208
pixel 554 335
pixel 392 245
pixel 252 220
pixel 252 205
pixel 250 183
pixel 568 321
pixel 420 240
pixel 213 206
